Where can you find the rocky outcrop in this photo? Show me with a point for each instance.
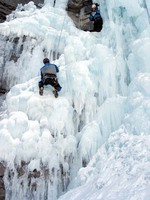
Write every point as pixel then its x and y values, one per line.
pixel 2 188
pixel 5 9
pixel 76 5
pixel 33 179
pixel 10 50
pixel 79 11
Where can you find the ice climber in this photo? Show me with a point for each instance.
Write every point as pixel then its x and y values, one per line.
pixel 95 16
pixel 49 77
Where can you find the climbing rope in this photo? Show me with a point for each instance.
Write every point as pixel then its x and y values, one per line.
pixel 61 32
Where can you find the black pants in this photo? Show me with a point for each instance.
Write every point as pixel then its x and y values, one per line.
pixel 50 81
pixel 98 24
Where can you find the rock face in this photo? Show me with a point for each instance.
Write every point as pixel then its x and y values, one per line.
pixel 7 6
pixel 76 5
pixel 2 189
pixel 31 181
pixel 79 11
pixel 5 9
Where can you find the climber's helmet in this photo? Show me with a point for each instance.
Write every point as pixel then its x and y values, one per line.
pixel 93 7
pixel 45 60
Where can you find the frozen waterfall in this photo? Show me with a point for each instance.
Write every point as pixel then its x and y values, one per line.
pixel 92 143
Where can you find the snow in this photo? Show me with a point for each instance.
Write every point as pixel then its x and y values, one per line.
pixel 111 173
pixel 93 140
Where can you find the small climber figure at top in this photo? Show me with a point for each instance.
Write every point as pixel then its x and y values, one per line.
pixel 95 16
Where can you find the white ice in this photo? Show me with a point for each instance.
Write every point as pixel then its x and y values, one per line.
pixel 102 116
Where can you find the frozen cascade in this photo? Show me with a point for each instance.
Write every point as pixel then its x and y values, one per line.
pixel 101 116
pixel 27 45
pixel 12 47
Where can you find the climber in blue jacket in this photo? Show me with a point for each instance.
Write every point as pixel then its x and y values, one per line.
pixel 49 77
pixel 95 16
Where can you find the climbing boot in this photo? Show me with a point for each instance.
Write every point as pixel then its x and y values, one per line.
pixel 55 92
pixel 41 91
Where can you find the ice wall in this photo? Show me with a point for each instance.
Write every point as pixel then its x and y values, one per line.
pixel 45 141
